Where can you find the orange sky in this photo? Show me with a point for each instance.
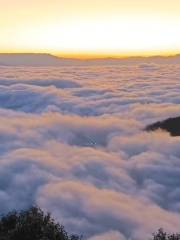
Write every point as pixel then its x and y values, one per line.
pixel 96 27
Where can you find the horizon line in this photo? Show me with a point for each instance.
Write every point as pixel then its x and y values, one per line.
pixel 95 56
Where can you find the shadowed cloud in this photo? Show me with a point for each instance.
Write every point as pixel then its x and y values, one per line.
pixel 72 140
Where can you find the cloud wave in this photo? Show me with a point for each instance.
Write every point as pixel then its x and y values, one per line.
pixel 72 141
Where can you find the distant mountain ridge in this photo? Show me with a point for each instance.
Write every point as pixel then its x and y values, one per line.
pixel 32 59
pixel 43 59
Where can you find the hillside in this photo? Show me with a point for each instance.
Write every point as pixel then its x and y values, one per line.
pixel 171 125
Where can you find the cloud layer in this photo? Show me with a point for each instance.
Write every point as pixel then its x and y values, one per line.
pixel 72 141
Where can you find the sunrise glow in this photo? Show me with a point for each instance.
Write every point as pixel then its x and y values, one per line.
pixel 70 28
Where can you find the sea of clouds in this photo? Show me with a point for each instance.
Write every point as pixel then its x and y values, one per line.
pixel 72 141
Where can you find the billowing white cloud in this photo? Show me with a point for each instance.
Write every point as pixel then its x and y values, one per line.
pixel 72 140
pixel 113 235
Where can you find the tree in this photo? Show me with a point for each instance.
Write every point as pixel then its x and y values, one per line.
pixel 32 224
pixel 162 235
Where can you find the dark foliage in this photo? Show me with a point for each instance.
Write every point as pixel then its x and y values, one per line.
pixel 32 224
pixel 172 125
pixel 162 235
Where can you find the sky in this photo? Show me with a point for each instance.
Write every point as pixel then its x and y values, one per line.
pixel 96 27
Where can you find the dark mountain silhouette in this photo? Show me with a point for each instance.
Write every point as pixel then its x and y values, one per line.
pixel 33 59
pixel 171 125
pixel 43 59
